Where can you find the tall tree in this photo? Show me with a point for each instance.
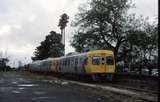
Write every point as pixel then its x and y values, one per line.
pixel 102 25
pixel 105 24
pixel 50 47
pixel 141 44
pixel 62 24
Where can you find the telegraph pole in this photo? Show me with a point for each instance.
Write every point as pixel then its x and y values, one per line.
pixel 63 39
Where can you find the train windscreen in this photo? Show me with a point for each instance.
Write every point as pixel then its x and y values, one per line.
pixel 109 60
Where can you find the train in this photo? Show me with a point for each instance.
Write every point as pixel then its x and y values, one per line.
pixel 97 64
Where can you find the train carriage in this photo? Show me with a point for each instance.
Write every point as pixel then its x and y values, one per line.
pixel 95 63
pixel 73 64
pixel 46 65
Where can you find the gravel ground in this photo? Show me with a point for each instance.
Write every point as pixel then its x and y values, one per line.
pixel 31 87
pixel 18 87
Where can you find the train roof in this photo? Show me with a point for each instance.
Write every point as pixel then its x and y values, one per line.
pixel 76 54
pixel 100 51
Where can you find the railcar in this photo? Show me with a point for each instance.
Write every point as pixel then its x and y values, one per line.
pixel 100 63
pixel 41 65
pixel 97 64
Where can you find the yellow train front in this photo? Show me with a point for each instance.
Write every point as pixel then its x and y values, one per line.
pixel 97 64
pixel 101 64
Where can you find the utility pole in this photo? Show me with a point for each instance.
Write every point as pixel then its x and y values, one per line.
pixel 63 39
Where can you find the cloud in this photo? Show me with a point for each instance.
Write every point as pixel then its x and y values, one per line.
pixel 25 23
pixel 5 29
pixel 147 8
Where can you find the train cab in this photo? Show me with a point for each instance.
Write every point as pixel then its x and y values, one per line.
pixel 100 62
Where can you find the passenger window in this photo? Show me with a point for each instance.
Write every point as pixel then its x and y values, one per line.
pixel 109 60
pixel 76 61
pixel 96 60
pixel 68 61
pixel 65 62
pixel 71 61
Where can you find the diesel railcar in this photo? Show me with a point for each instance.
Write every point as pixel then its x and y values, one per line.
pixel 97 64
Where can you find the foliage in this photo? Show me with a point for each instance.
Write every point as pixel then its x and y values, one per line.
pixel 50 47
pixel 105 24
pixel 63 21
pixel 143 44
pixel 3 63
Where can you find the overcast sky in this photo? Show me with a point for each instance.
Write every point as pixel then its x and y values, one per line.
pixel 25 23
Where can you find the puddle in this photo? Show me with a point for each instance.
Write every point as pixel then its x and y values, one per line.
pixel 21 88
pixel 15 91
pixel 1 80
pixel 50 81
pixel 38 98
pixel 14 82
pixel 23 80
pixel 4 89
pixel 28 85
pixel 39 93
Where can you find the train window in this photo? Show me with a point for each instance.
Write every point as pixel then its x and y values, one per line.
pixel 68 61
pixel 109 60
pixel 76 61
pixel 72 61
pixel 64 61
pixel 96 60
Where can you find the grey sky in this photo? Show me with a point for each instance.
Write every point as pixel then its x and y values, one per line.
pixel 25 23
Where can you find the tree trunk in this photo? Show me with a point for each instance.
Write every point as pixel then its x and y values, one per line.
pixel 150 67
pixel 115 57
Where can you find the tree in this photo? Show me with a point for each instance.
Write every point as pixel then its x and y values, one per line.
pixel 106 24
pixel 50 47
pixel 142 44
pixel 3 63
pixel 62 24
pixel 103 25
pixel 140 49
